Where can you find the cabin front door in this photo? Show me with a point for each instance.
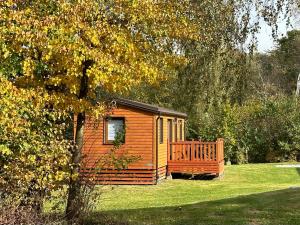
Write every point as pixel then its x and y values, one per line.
pixel 170 136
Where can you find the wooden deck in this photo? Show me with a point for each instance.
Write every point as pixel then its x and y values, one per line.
pixel 196 157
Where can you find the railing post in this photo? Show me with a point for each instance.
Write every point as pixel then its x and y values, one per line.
pixel 220 149
pixel 168 150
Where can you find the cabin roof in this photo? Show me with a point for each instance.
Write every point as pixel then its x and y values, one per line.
pixel 149 108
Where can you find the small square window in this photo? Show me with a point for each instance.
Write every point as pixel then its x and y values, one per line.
pixel 114 130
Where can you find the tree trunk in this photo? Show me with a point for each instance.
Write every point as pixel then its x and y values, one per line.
pixel 74 203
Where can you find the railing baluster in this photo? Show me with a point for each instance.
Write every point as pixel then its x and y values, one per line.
pixel 207 154
pixel 174 152
pixel 180 150
pixel 177 153
pixel 187 150
pixel 184 152
pixel 201 152
pixel 216 153
pixel 213 152
pixel 210 152
pixel 193 152
pixel 204 152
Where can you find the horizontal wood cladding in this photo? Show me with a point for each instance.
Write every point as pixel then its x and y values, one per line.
pixel 138 138
pixel 140 141
pixel 128 176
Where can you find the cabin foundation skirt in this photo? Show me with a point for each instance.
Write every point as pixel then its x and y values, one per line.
pixel 126 177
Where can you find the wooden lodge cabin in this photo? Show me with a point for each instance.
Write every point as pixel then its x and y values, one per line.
pixel 157 136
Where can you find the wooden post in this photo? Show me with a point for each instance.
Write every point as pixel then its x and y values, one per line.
pixel 220 149
pixel 168 150
pixel 220 146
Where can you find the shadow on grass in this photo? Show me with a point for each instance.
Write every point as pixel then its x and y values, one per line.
pixel 298 170
pixel 186 176
pixel 276 207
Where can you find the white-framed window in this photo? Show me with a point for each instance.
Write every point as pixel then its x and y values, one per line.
pixel 114 129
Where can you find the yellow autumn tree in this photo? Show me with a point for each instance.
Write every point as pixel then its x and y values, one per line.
pixel 74 49
pixel 34 154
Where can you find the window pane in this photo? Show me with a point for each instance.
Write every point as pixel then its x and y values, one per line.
pixel 181 131
pixel 161 133
pixel 176 129
pixel 114 127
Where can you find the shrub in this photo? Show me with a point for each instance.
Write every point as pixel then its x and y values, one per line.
pixel 34 156
pixel 261 130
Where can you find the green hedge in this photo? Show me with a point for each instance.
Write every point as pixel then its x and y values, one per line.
pixel 260 130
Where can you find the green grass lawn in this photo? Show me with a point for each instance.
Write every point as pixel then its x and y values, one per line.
pixel 248 194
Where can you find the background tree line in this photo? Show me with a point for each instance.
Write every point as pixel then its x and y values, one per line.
pixel 249 99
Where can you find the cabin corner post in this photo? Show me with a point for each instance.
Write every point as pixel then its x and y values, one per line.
pixel 168 151
pixel 219 149
pixel 156 150
pixel 220 155
pixel 168 157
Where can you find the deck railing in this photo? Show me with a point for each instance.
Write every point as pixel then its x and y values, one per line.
pixel 196 151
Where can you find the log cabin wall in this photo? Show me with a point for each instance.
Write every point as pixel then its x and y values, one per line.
pixel 142 139
pixel 139 141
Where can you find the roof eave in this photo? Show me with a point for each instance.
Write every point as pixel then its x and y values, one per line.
pixel 149 108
